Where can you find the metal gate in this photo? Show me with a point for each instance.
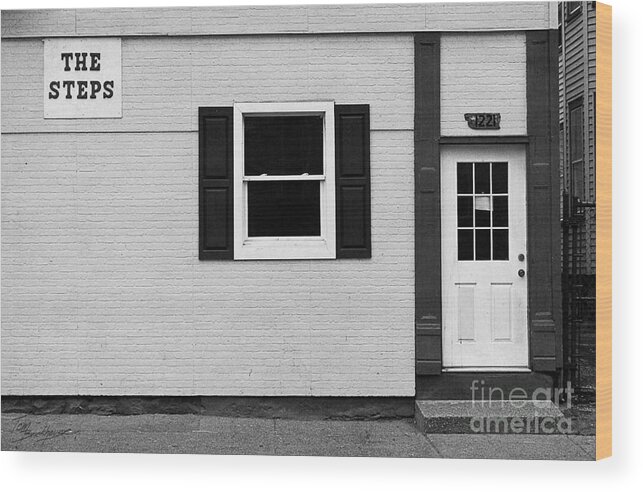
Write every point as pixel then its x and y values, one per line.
pixel 579 301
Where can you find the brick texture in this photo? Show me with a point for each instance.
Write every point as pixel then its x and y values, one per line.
pixel 102 290
pixel 310 19
pixel 166 79
pixel 483 73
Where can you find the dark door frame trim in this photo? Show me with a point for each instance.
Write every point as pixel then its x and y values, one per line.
pixel 543 198
pixel 543 226
pixel 428 288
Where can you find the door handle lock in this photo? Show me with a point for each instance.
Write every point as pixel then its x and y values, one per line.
pixel 521 273
pixel 521 257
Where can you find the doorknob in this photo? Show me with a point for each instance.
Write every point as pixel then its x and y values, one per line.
pixel 521 273
pixel 521 257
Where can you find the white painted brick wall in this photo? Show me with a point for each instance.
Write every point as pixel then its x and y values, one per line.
pixel 483 73
pixel 102 291
pixel 166 79
pixel 311 19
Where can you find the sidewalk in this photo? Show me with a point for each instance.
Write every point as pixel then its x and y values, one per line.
pixel 196 434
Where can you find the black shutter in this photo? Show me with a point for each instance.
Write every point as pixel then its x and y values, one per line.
pixel 352 177
pixel 215 184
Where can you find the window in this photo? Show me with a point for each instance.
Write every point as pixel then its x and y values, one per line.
pixel 576 149
pixel 483 211
pixel 284 163
pixel 284 181
pixel 572 9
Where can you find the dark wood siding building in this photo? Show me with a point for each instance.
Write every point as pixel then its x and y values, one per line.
pixel 577 113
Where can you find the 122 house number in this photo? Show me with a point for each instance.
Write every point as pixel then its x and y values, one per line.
pixel 483 121
pixel 81 89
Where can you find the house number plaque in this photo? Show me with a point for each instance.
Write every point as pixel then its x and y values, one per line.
pixel 483 121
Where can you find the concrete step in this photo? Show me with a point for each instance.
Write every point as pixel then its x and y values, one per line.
pixel 490 417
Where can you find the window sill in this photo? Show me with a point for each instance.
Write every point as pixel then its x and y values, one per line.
pixel 285 249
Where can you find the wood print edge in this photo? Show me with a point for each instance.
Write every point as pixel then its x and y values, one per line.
pixel 604 232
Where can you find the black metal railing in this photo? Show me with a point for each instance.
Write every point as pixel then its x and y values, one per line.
pixel 579 299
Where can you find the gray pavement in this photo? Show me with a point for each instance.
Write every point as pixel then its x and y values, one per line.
pixel 199 434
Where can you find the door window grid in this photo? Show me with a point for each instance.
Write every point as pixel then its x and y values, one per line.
pixel 482 211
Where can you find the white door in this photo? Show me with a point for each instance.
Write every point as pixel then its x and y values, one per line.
pixel 484 265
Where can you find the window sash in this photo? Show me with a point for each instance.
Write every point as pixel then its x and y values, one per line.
pixel 246 195
pixel 278 177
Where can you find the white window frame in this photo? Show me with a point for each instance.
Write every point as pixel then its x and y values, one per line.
pixel 285 248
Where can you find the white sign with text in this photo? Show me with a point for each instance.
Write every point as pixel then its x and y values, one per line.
pixel 82 78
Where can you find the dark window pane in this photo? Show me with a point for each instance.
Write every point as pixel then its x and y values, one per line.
pixel 500 244
pixel 500 211
pixel 578 180
pixel 573 8
pixel 576 133
pixel 576 149
pixel 280 145
pixel 482 177
pixel 283 208
pixel 483 244
pixel 483 218
pixel 499 177
pixel 465 177
pixel 465 211
pixel 465 244
pixel 483 211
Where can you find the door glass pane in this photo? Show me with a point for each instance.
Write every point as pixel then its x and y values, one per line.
pixel 499 177
pixel 500 211
pixel 465 177
pixel 500 244
pixel 483 244
pixel 283 145
pixel 483 199
pixel 283 208
pixel 465 211
pixel 483 211
pixel 483 184
pixel 465 244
